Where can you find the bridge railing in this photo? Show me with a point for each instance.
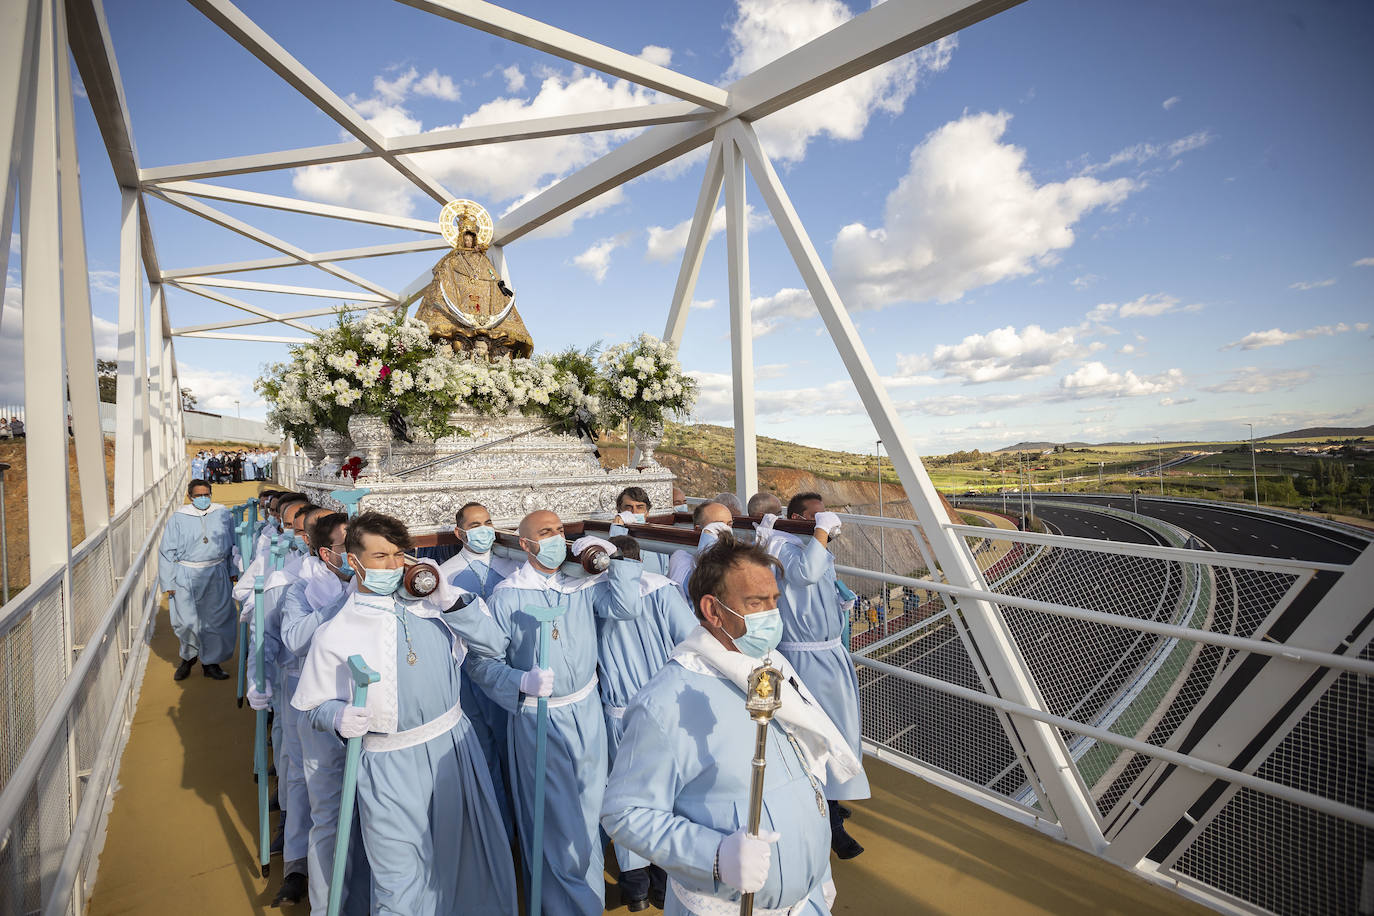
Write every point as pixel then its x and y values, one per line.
pixel 73 645
pixel 1214 707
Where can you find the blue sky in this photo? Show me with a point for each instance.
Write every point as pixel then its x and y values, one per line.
pixel 1074 221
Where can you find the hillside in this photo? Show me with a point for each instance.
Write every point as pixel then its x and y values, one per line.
pixel 1326 432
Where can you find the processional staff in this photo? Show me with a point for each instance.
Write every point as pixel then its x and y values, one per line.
pixel 763 701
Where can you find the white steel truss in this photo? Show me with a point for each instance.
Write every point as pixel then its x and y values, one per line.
pixel 37 141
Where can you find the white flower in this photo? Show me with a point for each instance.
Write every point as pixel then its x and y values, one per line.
pixel 627 387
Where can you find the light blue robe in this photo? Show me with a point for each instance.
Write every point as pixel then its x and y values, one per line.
pixel 811 614
pixel 202 611
pixel 576 764
pixel 430 826
pixel 631 652
pixel 197 468
pixel 322 756
pixel 681 785
pixel 479 574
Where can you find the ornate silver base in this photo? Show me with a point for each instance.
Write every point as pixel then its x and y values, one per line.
pixel 509 464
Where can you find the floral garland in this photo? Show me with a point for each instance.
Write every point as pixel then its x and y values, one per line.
pixel 644 382
pixel 386 365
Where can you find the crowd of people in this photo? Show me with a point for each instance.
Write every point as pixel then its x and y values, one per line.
pixel 642 676
pixel 233 466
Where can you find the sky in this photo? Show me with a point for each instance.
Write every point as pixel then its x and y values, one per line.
pixel 1073 221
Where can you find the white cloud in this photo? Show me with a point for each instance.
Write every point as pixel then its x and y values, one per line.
pixel 966 214
pixel 495 173
pixel 665 243
pixel 703 303
pixel 596 260
pixel 999 355
pixel 515 80
pixel 1126 349
pixel 217 389
pixel 1175 402
pixel 656 54
pixel 1141 153
pixel 1312 284
pixel 765 30
pixel 1254 380
pixel 715 403
pixel 437 85
pixel 1273 337
pixel 1364 262
pixel 789 302
pixel 1096 380
pixel 104 281
pixel 1151 305
pixel 1084 281
pixel 1170 102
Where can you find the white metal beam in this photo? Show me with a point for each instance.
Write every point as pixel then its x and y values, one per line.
pixel 45 375
pixel 18 39
pixel 82 384
pixel 446 139
pixel 697 237
pixel 242 306
pixel 261 338
pixel 271 241
pixel 311 291
pixel 1053 767
pixel 243 322
pixel 532 33
pixel 128 383
pixel 159 377
pixel 262 46
pixel 741 320
pixel 321 257
pixel 293 205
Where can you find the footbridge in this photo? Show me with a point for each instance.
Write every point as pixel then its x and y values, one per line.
pixel 1135 707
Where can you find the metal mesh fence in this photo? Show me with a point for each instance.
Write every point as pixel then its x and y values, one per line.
pixel 30 858
pixel 93 588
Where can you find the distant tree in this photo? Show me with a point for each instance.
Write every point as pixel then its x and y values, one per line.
pixel 106 375
pixel 188 400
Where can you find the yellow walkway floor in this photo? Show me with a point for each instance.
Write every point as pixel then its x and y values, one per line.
pixel 182 830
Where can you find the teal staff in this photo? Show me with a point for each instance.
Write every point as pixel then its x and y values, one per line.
pixel 243 624
pixel 349 499
pixel 546 617
pixel 260 734
pixel 362 677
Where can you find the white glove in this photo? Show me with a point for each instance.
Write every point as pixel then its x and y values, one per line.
pixel 537 682
pixel 828 522
pixel 246 614
pixel 352 721
pixel 259 700
pixel 586 541
pixel 743 859
pixel 717 528
pixel 763 529
pixel 447 594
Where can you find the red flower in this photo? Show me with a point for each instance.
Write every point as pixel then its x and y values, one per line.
pixel 386 370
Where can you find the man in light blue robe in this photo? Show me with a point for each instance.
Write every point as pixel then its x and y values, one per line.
pixel 631 652
pixel 679 793
pixel 632 506
pixel 711 519
pixel 477 570
pixel 429 824
pixel 197 560
pixel 198 466
pixel 324 585
pixel 575 772
pixel 813 641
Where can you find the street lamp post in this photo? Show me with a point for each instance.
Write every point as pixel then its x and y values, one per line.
pixel 237 412
pixel 1254 474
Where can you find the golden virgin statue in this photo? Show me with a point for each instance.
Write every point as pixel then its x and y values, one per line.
pixel 467 303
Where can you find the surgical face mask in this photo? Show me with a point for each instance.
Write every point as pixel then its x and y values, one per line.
pixel 343 569
pixel 553 550
pixel 632 518
pixel 762 631
pixel 201 502
pixel 480 539
pixel 382 581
